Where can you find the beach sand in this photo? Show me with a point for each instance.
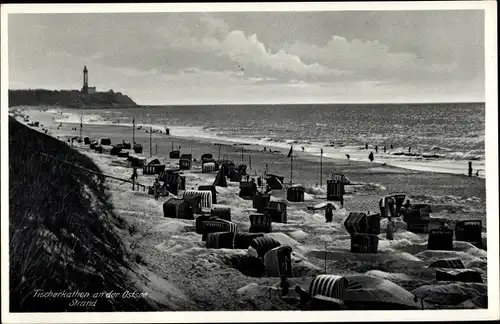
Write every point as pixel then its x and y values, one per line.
pixel 209 279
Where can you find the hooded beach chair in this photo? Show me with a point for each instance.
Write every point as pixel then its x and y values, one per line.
pixel 220 240
pixel 364 243
pixel 331 286
pixel 263 244
pixel 260 223
pixel 278 262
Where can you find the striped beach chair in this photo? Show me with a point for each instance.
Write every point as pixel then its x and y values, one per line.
pixel 461 275
pixel 260 223
pixel 208 167
pixel 264 244
pixel 212 189
pixel 295 194
pixel 261 201
pixel 207 157
pixel 440 239
pixel 105 141
pixel 234 176
pixel 187 156
pixel 137 148
pixel 177 208
pixel 277 211
pixel 206 197
pixel 334 190
pixel 174 154
pixel 387 206
pixel 220 240
pixel 469 231
pixel 331 286
pixel 221 211
pixel 364 243
pixel 399 198
pixel 246 191
pixel 243 240
pixel 448 263
pixel 278 262
pixel 356 223
pixel 217 225
pixel 185 164
pixel 200 220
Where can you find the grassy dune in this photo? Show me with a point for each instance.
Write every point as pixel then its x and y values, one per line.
pixel 63 233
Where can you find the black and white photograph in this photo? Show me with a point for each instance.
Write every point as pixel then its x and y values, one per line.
pixel 322 161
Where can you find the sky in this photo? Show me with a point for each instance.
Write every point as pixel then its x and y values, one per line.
pixel 255 57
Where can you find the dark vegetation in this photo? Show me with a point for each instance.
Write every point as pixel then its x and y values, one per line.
pixel 68 98
pixel 62 231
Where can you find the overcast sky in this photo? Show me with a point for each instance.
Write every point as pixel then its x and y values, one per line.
pixel 255 57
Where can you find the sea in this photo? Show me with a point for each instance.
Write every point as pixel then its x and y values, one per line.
pixel 440 137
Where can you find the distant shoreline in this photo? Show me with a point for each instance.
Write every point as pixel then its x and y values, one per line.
pixel 70 99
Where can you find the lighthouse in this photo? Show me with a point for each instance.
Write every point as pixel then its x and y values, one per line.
pixel 86 89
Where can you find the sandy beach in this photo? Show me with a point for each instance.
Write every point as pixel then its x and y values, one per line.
pixel 208 279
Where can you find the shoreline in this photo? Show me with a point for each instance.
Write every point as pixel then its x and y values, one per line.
pixel 444 188
pixel 430 165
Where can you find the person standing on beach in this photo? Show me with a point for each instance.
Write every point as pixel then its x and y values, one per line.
pixel 477 173
pixel 366 146
pixel 329 213
pixel 376 148
pixel 470 167
pixel 389 234
pixel 254 187
pixel 392 146
pixel 409 149
pixel 370 156
pixel 133 178
pixel 385 149
pixel 348 156
pixel 156 187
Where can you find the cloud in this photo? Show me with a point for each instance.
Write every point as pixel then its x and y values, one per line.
pixel 308 54
pixel 371 59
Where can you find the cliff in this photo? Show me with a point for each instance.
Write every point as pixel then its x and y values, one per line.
pixel 69 98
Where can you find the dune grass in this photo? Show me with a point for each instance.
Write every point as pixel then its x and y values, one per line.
pixel 62 232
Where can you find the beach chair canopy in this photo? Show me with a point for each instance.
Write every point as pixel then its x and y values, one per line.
pixel 469 231
pixel 461 275
pixel 154 161
pixel 328 285
pixel 220 240
pixel 187 156
pixel 278 262
pixel 243 240
pixel 448 263
pixel 263 244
